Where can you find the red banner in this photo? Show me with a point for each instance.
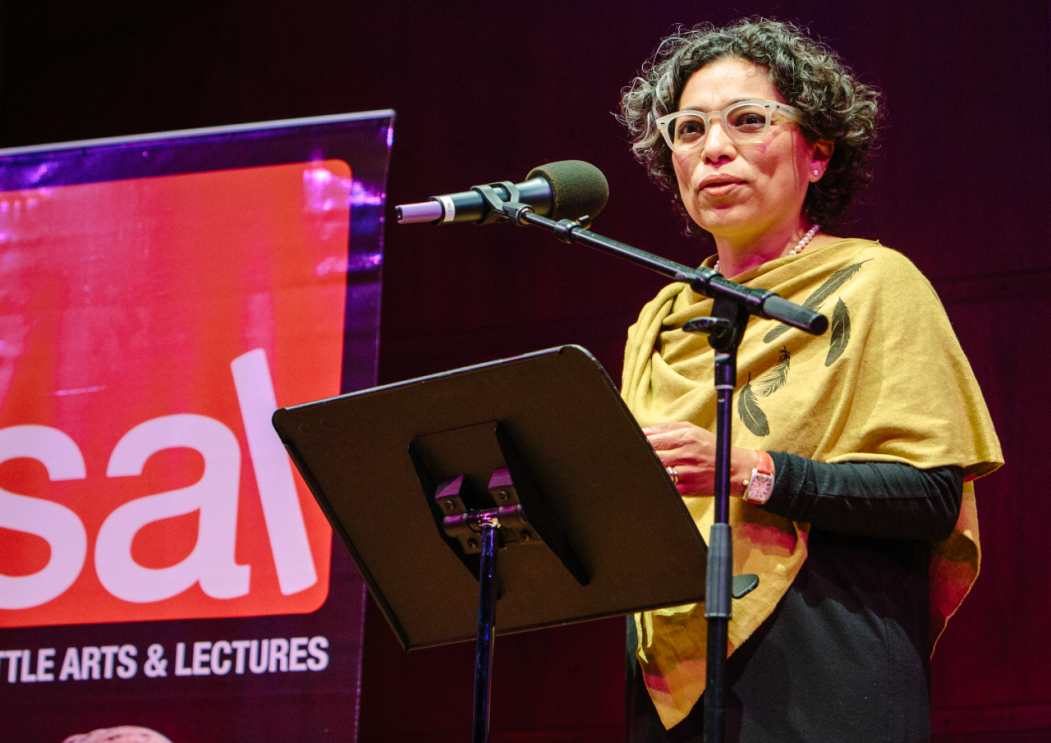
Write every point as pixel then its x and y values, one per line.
pixel 143 356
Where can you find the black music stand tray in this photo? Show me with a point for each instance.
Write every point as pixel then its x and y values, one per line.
pixel 536 455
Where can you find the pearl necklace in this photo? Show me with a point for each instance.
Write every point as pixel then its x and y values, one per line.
pixel 799 245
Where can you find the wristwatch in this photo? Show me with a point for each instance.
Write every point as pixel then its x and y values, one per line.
pixel 761 484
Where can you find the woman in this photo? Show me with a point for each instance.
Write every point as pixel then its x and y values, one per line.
pixel 871 433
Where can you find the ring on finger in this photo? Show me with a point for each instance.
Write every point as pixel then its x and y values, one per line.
pixel 673 474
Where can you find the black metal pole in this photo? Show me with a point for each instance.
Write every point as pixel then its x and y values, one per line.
pixel 718 599
pixel 725 329
pixel 483 656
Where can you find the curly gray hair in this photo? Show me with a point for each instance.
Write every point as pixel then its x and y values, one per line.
pixel 807 73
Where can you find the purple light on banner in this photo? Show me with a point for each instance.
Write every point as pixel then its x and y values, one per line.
pixel 42 171
pixel 356 262
pixel 362 195
pixel 324 191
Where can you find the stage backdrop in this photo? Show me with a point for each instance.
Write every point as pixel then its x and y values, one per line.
pixel 161 563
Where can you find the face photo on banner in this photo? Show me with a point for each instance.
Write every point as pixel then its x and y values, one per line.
pixel 163 565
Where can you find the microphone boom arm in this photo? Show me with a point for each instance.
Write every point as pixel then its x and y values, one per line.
pixel 759 302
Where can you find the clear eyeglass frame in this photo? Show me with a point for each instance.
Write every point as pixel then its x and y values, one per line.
pixel 746 130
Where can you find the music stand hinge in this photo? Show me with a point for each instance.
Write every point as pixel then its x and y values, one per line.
pixel 465 525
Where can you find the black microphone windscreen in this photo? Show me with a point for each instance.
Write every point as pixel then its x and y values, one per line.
pixel 577 188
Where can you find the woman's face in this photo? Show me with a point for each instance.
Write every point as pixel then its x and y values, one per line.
pixel 740 191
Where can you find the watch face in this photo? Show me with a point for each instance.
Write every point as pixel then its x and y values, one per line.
pixel 760 488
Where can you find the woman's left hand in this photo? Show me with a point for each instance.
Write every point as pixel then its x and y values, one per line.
pixel 690 450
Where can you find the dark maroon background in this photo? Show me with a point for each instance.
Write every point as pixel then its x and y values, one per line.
pixel 485 92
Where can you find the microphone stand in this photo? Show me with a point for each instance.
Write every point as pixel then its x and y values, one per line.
pixel 725 329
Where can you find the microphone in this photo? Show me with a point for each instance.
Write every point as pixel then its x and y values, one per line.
pixel 568 189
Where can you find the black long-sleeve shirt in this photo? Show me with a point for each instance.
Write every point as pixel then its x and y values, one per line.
pixel 888 500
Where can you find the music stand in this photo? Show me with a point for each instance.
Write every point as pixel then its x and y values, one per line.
pixel 412 477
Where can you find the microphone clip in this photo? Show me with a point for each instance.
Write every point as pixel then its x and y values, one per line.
pixel 500 210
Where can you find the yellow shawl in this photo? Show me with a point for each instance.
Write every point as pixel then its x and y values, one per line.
pixel 887 383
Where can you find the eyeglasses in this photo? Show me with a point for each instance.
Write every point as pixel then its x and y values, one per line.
pixel 747 121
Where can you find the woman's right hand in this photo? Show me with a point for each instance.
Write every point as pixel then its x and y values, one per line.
pixel 690 450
